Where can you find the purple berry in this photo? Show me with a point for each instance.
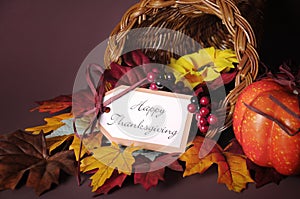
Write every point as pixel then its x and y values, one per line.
pixel 159 84
pixel 170 77
pixel 191 108
pixel 194 100
pixel 186 90
pixel 180 85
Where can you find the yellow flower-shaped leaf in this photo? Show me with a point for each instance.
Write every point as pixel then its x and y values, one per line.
pixel 205 65
pixel 52 124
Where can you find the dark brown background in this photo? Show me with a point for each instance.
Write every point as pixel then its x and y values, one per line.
pixel 42 44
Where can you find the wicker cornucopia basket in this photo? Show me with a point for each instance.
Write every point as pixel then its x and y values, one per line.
pixel 218 23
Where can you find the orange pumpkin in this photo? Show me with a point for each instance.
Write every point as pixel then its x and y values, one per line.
pixel 266 124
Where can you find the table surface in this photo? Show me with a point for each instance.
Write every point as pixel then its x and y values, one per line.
pixel 43 44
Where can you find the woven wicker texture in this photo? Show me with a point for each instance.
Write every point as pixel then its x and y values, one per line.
pixel 218 23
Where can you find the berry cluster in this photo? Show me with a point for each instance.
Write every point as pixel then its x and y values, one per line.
pixel 166 81
pixel 200 104
pixel 202 110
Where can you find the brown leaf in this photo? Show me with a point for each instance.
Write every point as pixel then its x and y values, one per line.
pixel 232 168
pixel 21 152
pixel 54 105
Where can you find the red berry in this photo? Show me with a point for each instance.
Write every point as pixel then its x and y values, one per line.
pixel 198 116
pixel 203 129
pixel 212 119
pixel 153 86
pixel 191 108
pixel 204 101
pixel 202 121
pixel 204 111
pixel 151 77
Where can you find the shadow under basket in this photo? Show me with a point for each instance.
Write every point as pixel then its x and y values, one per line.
pixel 223 24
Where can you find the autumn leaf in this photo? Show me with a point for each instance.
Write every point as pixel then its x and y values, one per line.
pixel 148 173
pixel 105 160
pixel 264 175
pixel 169 160
pixel 234 147
pixel 55 142
pixel 144 173
pixel 22 153
pixel 115 180
pixel 75 146
pixel 89 143
pixel 235 173
pixel 261 175
pixel 52 124
pixel 232 168
pixel 123 74
pixel 55 105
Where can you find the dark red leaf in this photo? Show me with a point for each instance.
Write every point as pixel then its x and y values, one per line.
pixel 136 58
pixel 147 179
pixel 54 105
pixel 234 147
pixel 168 160
pixel 225 78
pixel 263 175
pixel 115 180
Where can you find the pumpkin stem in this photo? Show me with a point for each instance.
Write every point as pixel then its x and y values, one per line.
pixel 282 126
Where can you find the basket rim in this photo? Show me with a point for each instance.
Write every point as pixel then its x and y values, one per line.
pixel 240 30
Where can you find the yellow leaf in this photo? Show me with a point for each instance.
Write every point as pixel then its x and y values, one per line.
pixel 115 157
pixel 207 62
pixel 52 124
pixel 193 163
pixel 57 141
pixel 103 171
pixel 106 159
pixel 240 175
pixel 89 143
pixel 232 168
pixel 76 147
